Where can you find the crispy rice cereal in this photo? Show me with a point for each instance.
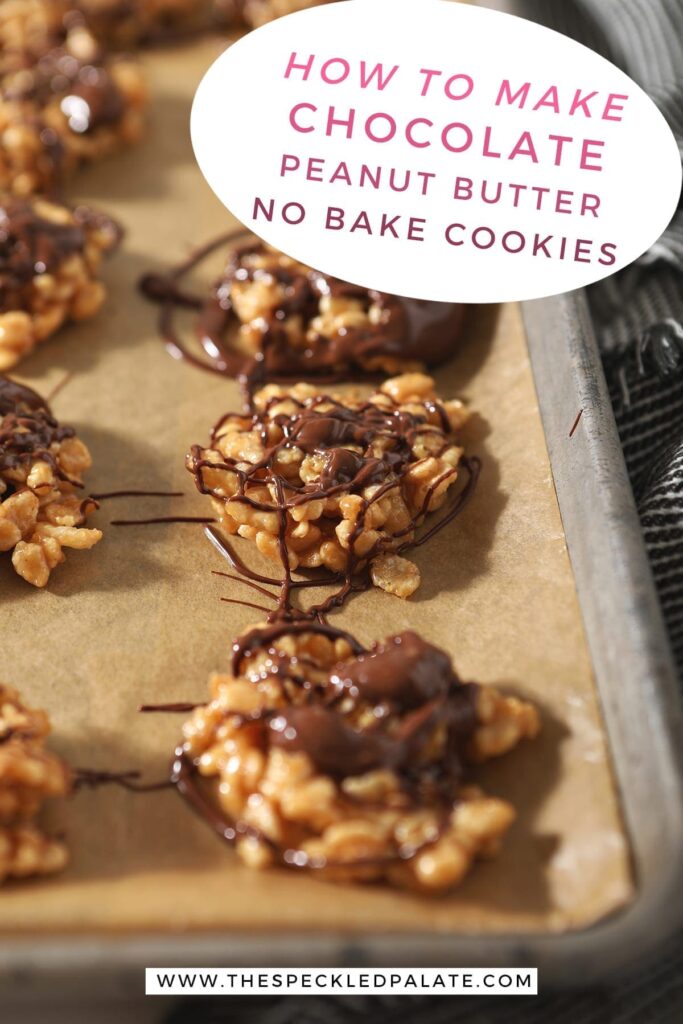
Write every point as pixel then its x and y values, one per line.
pixel 29 774
pixel 273 318
pixel 41 465
pixel 62 106
pixel 50 258
pixel 352 763
pixel 338 482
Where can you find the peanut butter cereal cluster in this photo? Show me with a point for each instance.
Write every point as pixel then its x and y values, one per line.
pixel 62 103
pixel 272 318
pixel 41 465
pixel 340 482
pixel 354 763
pixel 50 258
pixel 29 774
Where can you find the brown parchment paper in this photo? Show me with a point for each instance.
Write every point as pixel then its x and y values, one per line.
pixel 138 619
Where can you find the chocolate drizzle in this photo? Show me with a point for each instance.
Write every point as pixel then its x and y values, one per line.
pixel 409 330
pixel 176 708
pixel 16 398
pixel 138 494
pixel 324 433
pixel 31 245
pixel 262 638
pixel 89 99
pixel 28 430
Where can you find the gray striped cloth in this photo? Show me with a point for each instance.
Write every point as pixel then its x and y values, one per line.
pixel 638 314
pixel 638 317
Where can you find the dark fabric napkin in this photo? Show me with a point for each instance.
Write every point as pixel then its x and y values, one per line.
pixel 638 314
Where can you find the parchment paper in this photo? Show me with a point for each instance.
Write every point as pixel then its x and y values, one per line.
pixel 138 618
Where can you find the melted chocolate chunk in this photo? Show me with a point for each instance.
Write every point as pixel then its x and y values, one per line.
pixel 28 430
pixel 88 96
pixel 334 747
pixel 341 467
pixel 413 680
pixel 313 431
pixel 14 397
pixel 405 671
pixel 92 101
pixel 30 245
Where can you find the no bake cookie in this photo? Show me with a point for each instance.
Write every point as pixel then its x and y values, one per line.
pixel 340 482
pixel 352 763
pixel 269 317
pixel 29 774
pixel 63 102
pixel 42 509
pixel 50 257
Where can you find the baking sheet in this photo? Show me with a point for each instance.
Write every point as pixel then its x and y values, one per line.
pixel 138 619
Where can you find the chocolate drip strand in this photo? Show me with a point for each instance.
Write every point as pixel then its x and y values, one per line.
pixel 245 604
pixel 177 708
pixel 161 519
pixel 184 778
pixel 138 494
pixel 245 583
pixel 89 778
pixel 29 431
